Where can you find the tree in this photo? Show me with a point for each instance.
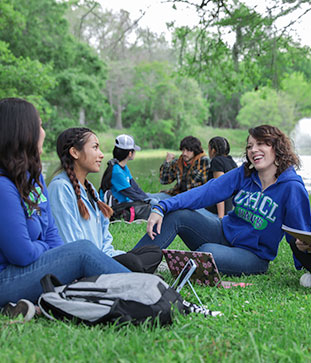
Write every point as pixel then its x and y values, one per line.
pixel 41 44
pixel 267 106
pixel 299 90
pixel 258 57
pixel 23 77
pixel 163 106
pixel 121 43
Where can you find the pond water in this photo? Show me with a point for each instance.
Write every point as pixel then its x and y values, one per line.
pixel 305 171
pixel 146 171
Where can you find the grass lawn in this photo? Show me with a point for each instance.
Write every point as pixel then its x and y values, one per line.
pixel 268 321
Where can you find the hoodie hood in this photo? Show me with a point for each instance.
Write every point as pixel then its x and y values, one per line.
pixel 288 175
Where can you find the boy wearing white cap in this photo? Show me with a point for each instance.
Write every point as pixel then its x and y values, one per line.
pixel 118 178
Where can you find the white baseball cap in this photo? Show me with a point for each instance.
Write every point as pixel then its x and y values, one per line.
pixel 126 142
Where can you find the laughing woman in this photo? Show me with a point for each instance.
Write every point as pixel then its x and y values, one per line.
pixel 30 245
pixel 77 209
pixel 266 193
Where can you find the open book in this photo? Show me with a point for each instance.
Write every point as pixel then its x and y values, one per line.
pixel 297 233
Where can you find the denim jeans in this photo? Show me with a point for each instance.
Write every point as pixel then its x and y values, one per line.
pixel 204 233
pixel 156 197
pixel 68 262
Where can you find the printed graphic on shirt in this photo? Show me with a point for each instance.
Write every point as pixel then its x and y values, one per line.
pixel 255 208
pixel 40 199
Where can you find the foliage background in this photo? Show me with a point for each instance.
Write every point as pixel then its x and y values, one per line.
pixel 83 65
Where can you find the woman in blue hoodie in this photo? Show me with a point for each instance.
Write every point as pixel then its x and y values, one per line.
pixel 30 245
pixel 266 193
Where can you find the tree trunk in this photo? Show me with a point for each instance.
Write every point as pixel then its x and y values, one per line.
pixel 118 115
pixel 82 117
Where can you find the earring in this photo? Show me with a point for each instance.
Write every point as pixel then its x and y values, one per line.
pixel 250 166
pixel 276 163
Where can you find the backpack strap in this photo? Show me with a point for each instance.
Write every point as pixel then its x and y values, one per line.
pixel 105 183
pixel 49 282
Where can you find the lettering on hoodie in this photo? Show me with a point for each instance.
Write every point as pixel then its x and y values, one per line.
pixel 255 208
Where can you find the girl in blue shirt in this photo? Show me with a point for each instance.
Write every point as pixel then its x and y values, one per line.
pixel 30 245
pixel 77 209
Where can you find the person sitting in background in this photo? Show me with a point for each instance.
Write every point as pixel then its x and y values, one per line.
pixel 75 203
pixel 267 193
pixel 221 163
pixel 30 245
pixel 118 179
pixel 190 170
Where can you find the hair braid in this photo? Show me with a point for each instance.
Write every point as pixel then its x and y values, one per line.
pixel 103 207
pixel 73 137
pixel 220 145
pixel 68 166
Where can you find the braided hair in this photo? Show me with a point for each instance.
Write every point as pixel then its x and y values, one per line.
pixel 77 137
pixel 220 145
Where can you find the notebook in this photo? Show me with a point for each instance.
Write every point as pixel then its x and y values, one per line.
pixel 304 236
pixel 206 272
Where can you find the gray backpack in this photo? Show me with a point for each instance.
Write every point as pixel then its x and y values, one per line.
pixel 114 298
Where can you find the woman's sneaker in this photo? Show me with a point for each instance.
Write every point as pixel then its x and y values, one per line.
pixel 23 307
pixel 305 280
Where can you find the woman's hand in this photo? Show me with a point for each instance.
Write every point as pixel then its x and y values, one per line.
pixel 154 219
pixel 302 246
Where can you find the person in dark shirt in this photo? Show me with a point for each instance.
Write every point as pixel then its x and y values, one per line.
pixel 221 163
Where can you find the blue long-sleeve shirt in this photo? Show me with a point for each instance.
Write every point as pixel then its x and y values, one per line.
pixel 24 235
pixel 123 187
pixel 256 220
pixel 71 225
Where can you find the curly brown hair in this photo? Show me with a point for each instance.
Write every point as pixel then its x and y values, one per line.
pixel 19 154
pixel 281 144
pixel 77 137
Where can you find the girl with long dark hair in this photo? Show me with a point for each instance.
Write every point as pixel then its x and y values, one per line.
pixel 30 245
pixel 75 203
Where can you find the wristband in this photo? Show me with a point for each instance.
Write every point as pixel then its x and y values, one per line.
pixel 155 210
pixel 159 207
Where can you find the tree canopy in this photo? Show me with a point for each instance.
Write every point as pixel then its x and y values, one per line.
pixel 81 64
